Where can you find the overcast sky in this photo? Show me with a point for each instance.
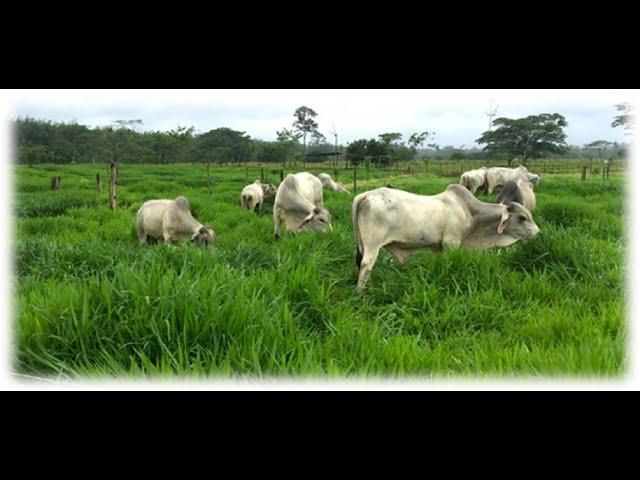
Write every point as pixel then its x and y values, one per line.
pixel 457 116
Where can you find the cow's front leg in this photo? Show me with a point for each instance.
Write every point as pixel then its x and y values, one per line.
pixel 366 267
pixel 489 189
pixel 278 224
pixel 451 242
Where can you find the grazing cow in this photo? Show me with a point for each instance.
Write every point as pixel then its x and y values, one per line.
pixel 519 191
pixel 329 184
pixel 253 195
pixel 403 222
pixel 498 176
pixel 474 179
pixel 299 204
pixel 172 221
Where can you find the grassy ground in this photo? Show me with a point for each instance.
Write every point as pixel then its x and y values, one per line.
pixel 90 302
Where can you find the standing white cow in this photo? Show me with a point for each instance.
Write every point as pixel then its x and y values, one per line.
pixel 403 222
pixel 474 179
pixel 498 176
pixel 172 221
pixel 255 194
pixel 330 184
pixel 299 204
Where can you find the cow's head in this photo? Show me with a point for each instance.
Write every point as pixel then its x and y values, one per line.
pixel 533 178
pixel 517 222
pixel 318 220
pixel 268 189
pixel 204 237
pixel 524 184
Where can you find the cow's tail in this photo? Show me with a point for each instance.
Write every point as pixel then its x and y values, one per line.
pixel 355 210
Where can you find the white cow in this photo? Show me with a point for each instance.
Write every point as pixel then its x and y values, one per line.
pixel 255 194
pixel 330 184
pixel 403 222
pixel 474 179
pixel 299 204
pixel 172 221
pixel 498 176
pixel 520 192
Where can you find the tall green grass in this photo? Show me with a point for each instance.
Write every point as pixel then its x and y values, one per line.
pixel 90 302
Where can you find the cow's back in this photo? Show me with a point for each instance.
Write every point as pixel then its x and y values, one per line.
pixel 150 216
pixel 310 186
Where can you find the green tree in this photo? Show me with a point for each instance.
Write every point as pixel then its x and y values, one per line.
pixel 289 139
pixel 357 151
pixel 599 148
pixel 31 154
pixel 390 139
pixel 271 152
pixel 305 124
pixel 121 139
pixel 625 118
pixel 529 137
pixel 458 155
pixel 180 143
pixel 417 140
pixel 224 145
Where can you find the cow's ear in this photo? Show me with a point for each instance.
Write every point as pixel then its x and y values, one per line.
pixel 307 219
pixel 503 223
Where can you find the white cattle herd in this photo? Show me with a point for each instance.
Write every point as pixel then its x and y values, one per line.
pixel 399 221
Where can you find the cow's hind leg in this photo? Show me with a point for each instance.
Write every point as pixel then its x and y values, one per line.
pixel 366 266
pixel 142 236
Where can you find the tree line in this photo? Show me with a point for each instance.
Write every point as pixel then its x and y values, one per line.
pixel 535 136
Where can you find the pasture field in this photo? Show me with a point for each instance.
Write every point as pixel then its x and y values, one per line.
pixel 89 302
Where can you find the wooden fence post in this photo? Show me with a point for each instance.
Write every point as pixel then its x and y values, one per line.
pixel 584 173
pixel 209 179
pixel 246 175
pixel 355 173
pixel 98 183
pixel 55 183
pixel 608 165
pixel 367 172
pixel 335 174
pixel 281 175
pixel 262 174
pixel 112 185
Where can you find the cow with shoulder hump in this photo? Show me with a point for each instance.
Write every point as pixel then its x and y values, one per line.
pixel 172 221
pixel 403 222
pixel 474 179
pixel 519 191
pixel 299 205
pixel 254 195
pixel 498 176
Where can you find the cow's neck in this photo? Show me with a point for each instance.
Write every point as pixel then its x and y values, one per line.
pixel 484 230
